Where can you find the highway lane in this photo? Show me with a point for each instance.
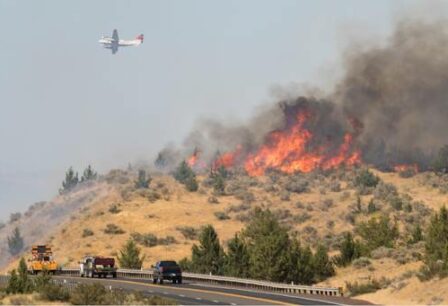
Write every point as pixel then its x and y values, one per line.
pixel 191 293
pixel 180 293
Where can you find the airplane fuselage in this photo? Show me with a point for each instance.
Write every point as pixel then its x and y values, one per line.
pixel 114 42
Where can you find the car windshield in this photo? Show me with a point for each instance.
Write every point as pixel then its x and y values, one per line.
pixel 167 263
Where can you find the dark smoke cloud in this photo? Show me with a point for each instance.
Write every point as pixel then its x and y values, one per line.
pixel 393 99
pixel 400 93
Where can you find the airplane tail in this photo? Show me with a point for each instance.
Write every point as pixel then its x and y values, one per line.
pixel 140 37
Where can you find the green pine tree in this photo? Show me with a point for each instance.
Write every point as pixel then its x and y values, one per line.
pixel 268 245
pixel 350 250
pixel 323 267
pixel 237 258
pixel 143 180
pixel 13 283
pixel 89 174
pixel 15 242
pixel 305 270
pixel 183 172
pixel 70 182
pixel 378 232
pixel 417 234
pixel 218 184
pixel 440 163
pixel 25 284
pixel 436 242
pixel 208 257
pixel 129 257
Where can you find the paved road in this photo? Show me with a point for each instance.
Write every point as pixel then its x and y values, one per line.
pixel 191 293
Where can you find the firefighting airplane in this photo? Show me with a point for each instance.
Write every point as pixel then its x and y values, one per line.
pixel 114 42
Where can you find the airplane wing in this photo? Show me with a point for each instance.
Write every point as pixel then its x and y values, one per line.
pixel 115 35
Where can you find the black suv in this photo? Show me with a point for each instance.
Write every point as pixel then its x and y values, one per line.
pixel 169 270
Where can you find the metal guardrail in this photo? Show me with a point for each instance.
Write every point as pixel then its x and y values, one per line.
pixel 225 280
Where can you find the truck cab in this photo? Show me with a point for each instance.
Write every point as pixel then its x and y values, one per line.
pixel 42 260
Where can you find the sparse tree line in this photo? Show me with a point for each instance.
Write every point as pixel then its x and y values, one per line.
pixel 72 179
pixel 263 250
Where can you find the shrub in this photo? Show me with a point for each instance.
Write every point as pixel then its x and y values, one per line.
pixel 147 240
pixel 371 207
pixel 297 186
pixel 191 184
pixel 436 243
pixel 112 229
pixel 285 196
pixel 335 186
pixel 114 209
pixel 385 191
pixel 213 200
pixel 54 292
pixel 153 196
pixel 361 262
pixel 381 252
pixel 166 240
pixel 89 294
pixel 221 215
pixel 238 208
pixel 370 286
pixel 219 185
pixel 301 218
pixel 87 232
pixel 365 178
pixel 14 217
pixel 378 232
pixel 188 232
pixel 245 196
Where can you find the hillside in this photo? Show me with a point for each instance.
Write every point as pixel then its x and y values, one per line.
pixel 318 206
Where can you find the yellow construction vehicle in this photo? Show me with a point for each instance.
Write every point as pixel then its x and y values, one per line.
pixel 42 260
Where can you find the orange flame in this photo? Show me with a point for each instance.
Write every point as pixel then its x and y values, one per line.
pixel 287 151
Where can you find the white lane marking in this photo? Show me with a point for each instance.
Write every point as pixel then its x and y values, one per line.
pixel 198 299
pixel 232 304
pixel 181 295
pixel 215 301
pixel 164 292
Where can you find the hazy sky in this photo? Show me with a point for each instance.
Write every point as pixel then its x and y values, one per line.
pixel 66 101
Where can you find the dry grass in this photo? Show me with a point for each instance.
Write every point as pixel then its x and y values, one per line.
pixel 324 205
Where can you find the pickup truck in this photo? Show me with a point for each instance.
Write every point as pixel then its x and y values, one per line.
pixel 92 266
pixel 167 270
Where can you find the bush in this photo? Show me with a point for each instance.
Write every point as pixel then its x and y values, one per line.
pixel 372 285
pixel 361 262
pixel 238 208
pixel 87 232
pixel 150 240
pixel 301 218
pixel 385 191
pixel 112 229
pixel 54 292
pixel 89 294
pixel 221 215
pixel 335 186
pixel 285 196
pixel 191 184
pixel 378 232
pixel 365 178
pixel 188 232
pixel 153 196
pixel 245 196
pixel 114 209
pixel 14 217
pixel 297 186
pixel 213 200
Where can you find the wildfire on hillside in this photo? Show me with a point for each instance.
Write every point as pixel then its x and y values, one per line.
pixel 292 148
